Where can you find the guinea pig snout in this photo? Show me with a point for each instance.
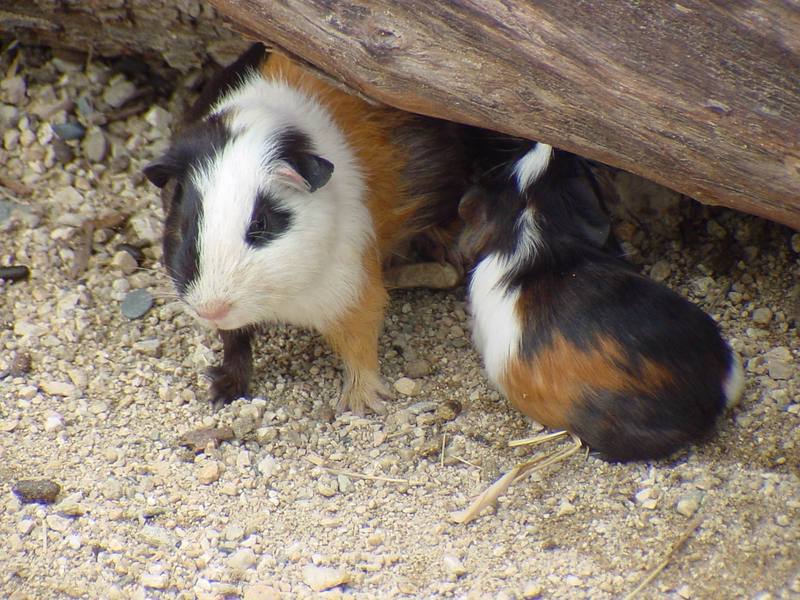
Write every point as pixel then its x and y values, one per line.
pixel 215 310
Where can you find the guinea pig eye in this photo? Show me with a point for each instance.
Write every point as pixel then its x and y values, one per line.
pixel 268 223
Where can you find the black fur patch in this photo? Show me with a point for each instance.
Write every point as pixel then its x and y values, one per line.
pixel 295 149
pixel 268 222
pixel 183 205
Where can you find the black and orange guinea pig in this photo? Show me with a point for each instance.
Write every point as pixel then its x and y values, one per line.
pixel 284 197
pixel 570 333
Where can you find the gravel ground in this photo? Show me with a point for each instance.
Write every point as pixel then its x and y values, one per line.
pixel 300 501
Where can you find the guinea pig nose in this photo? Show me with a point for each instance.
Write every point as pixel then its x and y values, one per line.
pixel 214 311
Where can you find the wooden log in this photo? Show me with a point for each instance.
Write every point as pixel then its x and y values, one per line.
pixel 182 33
pixel 701 96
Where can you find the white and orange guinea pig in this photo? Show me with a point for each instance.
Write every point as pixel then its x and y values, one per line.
pixel 283 198
pixel 568 331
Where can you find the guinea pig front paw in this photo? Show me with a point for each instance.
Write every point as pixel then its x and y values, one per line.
pixel 226 386
pixel 362 392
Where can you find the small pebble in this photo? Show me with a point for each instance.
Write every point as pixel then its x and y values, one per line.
pixel 25 526
pixel 566 508
pixel 688 504
pixel 118 92
pixel 15 273
pixel 157 537
pixel 156 582
pixel 209 472
pixel 136 304
pixel 661 270
pixel 199 439
pixel 242 559
pixel 453 566
pixel 150 347
pixel 37 490
pixel 417 368
pixel 69 130
pixel 261 591
pixel 57 523
pixel 71 505
pixel 53 423
pixel 124 262
pixel 94 145
pixel 407 386
pixel 531 590
pixel 781 363
pixel 762 316
pixel 320 579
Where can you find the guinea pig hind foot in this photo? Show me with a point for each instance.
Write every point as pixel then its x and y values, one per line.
pixel 362 391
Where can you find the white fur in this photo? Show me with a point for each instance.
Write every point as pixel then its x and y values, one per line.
pixel 532 165
pixel 310 274
pixel 495 326
pixel 733 385
pixel 496 329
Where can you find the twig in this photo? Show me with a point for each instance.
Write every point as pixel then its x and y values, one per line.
pixel 355 475
pixel 441 454
pixel 466 462
pixel 539 439
pixel 499 487
pixel 676 546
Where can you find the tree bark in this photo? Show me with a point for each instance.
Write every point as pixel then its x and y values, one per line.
pixel 701 96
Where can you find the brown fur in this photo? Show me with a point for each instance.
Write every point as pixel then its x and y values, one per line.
pixel 548 387
pixel 355 338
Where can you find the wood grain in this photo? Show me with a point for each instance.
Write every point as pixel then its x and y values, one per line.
pixel 701 96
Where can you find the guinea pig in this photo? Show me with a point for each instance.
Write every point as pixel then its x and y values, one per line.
pixel 569 332
pixel 284 196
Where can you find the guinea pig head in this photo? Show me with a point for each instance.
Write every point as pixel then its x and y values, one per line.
pixel 247 213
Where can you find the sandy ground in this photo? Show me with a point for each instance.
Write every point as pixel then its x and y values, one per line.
pixel 302 500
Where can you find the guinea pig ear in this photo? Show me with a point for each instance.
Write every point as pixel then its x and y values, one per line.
pixel 305 172
pixel 472 207
pixel 161 170
pixel 588 212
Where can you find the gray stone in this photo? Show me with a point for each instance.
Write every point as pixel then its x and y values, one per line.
pixel 156 582
pixel 37 490
pixel 159 118
pixel 661 270
pixel 57 523
pixel 94 145
pixel 69 130
pixel 149 347
pixel 781 363
pixel 320 579
pixel 242 559
pixel 688 504
pixel 417 368
pixel 136 304
pixel 406 386
pixel 453 566
pixel 157 537
pixel 12 90
pixel 125 262
pixel 762 316
pixel 118 92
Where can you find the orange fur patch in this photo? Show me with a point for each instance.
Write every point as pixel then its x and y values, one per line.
pixel 548 387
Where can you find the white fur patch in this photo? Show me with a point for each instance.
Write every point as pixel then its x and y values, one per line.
pixel 733 385
pixel 311 273
pixel 496 328
pixel 532 165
